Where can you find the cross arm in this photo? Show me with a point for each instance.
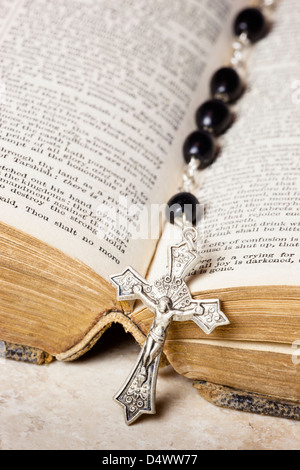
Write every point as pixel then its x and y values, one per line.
pixel 130 285
pixel 208 315
pixel 205 313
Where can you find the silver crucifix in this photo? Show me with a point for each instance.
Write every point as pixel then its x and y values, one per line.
pixel 170 300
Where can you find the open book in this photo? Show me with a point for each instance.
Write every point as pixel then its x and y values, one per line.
pixel 97 99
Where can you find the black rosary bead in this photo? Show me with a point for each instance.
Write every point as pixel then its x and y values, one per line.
pixel 214 116
pixel 252 22
pixel 226 84
pixel 183 203
pixel 200 145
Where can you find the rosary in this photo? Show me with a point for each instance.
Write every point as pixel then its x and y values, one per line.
pixel 169 297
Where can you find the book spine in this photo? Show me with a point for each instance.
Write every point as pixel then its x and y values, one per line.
pixel 21 353
pixel 250 402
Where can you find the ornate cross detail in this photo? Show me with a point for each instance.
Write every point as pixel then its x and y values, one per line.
pixel 170 300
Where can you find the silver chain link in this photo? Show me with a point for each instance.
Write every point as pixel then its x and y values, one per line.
pixel 268 3
pixel 188 177
pixel 240 49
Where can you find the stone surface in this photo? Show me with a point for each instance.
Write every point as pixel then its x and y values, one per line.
pixel 70 406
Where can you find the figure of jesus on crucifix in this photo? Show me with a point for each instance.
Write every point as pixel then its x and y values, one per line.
pixel 170 300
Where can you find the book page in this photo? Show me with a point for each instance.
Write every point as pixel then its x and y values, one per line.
pixel 7 11
pixel 95 104
pixel 251 228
